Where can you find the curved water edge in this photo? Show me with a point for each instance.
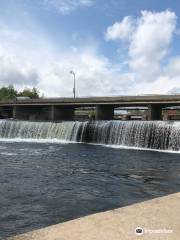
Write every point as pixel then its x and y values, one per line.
pixel 151 135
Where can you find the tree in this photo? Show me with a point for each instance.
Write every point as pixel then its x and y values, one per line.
pixel 9 93
pixel 32 93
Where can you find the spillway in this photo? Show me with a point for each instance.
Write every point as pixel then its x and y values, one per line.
pixel 162 135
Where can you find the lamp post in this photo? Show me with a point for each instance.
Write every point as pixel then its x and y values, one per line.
pixel 74 88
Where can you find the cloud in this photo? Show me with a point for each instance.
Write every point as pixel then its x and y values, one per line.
pixel 172 69
pixel 149 39
pixel 11 73
pixel 95 75
pixel 28 60
pixel 150 43
pixel 174 90
pixel 67 6
pixel 120 30
pixel 13 67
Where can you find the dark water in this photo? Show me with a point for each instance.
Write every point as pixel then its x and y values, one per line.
pixel 43 184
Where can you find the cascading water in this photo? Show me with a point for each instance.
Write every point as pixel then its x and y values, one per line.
pixel 140 134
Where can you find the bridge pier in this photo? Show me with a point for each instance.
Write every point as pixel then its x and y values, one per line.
pixel 64 113
pixel 155 112
pixel 104 112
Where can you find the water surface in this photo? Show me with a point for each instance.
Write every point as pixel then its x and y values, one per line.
pixel 47 183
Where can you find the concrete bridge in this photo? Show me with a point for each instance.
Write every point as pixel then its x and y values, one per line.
pixel 57 109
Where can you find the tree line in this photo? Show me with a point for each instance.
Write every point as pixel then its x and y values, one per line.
pixel 8 93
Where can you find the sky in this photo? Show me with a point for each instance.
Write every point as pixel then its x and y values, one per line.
pixel 115 47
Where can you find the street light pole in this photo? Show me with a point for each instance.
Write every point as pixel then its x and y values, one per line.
pixel 74 88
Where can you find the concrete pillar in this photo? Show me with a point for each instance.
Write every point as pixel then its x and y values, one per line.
pixel 104 112
pixel 62 113
pixel 1 112
pixel 155 112
pixel 52 113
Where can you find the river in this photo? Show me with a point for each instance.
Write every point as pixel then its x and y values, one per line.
pixel 46 181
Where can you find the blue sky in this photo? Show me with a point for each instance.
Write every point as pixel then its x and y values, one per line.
pixel 116 47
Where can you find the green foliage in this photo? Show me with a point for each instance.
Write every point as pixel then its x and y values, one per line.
pixel 9 93
pixel 32 93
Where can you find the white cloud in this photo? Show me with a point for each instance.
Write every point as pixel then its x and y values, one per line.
pixel 28 60
pixel 14 72
pixel 120 30
pixel 150 43
pixel 148 49
pixel 94 73
pixel 66 6
pixel 173 68
pixel 14 69
pixel 174 90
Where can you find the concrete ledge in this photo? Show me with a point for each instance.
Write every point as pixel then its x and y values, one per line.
pixel 160 214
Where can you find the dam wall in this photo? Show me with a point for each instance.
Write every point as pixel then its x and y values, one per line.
pixel 162 135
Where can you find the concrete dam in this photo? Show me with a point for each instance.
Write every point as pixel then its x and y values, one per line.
pixel 161 135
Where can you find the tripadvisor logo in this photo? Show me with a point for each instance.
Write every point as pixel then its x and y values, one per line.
pixel 139 231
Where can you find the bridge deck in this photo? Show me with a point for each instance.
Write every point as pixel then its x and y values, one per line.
pixel 91 101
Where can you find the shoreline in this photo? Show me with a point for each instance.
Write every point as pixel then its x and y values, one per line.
pixel 159 218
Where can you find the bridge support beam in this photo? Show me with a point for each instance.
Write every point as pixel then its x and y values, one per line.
pixel 155 112
pixel 104 112
pixel 62 113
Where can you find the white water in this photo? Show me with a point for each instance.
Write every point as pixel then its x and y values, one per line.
pixel 159 135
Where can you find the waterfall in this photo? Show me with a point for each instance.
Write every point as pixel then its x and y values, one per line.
pixel 141 134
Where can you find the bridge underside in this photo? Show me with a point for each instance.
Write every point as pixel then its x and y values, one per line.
pixel 62 113
pixel 46 113
pixel 6 112
pixel 104 112
pixel 31 113
pixel 68 112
